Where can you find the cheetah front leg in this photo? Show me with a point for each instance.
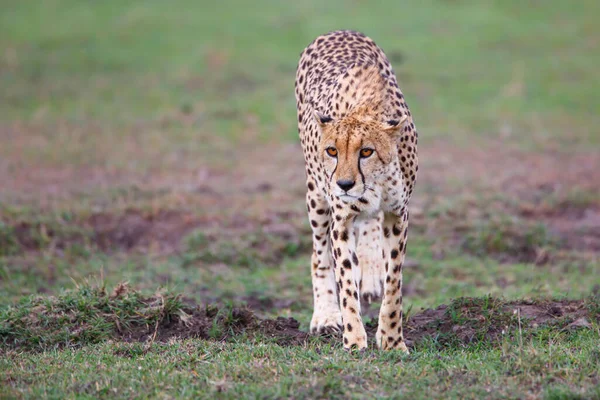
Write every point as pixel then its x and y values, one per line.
pixel 368 247
pixel 389 331
pixel 326 312
pixel 343 243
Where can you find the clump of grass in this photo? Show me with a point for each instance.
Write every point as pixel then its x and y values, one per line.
pixel 479 319
pixel 229 320
pixel 462 309
pixel 85 315
pixel 508 239
pixel 592 303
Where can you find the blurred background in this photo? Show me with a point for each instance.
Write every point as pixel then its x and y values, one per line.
pixel 156 142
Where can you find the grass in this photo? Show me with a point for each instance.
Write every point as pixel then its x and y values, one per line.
pixel 563 367
pixel 547 360
pixel 84 316
pixel 155 143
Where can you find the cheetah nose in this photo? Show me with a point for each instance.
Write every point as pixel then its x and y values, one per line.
pixel 345 184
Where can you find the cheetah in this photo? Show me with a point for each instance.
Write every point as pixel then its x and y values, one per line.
pixel 360 151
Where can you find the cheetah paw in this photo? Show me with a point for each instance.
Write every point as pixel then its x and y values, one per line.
pixel 390 343
pixel 326 324
pixel 355 340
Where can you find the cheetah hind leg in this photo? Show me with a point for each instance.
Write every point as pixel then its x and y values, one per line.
pixel 370 259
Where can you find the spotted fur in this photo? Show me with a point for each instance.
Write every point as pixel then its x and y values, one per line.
pixel 360 150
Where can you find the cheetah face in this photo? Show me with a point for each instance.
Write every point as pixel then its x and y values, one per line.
pixel 356 154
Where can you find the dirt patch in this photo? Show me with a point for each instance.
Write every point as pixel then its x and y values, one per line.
pixel 247 243
pixel 466 320
pixel 26 236
pixel 496 166
pixel 515 232
pixel 538 235
pixel 237 240
pixel 161 231
pixel 577 227
pixel 508 204
pixel 124 314
pixel 469 320
pixel 219 324
pixel 131 230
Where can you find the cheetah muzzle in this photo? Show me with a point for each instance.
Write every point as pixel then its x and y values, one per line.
pixel 360 150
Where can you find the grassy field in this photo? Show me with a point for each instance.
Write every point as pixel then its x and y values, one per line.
pixel 153 236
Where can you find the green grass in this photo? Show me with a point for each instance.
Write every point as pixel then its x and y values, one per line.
pixel 151 107
pixel 562 367
pixel 83 316
pixel 76 330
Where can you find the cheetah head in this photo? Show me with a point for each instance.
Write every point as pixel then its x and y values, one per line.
pixel 356 152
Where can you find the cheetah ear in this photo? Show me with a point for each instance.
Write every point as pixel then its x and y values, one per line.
pixel 322 119
pixel 393 125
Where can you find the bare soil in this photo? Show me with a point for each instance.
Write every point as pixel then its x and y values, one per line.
pixel 201 323
pixel 134 230
pixel 462 322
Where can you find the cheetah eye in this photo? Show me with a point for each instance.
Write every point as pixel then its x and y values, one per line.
pixel 365 153
pixel 332 151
